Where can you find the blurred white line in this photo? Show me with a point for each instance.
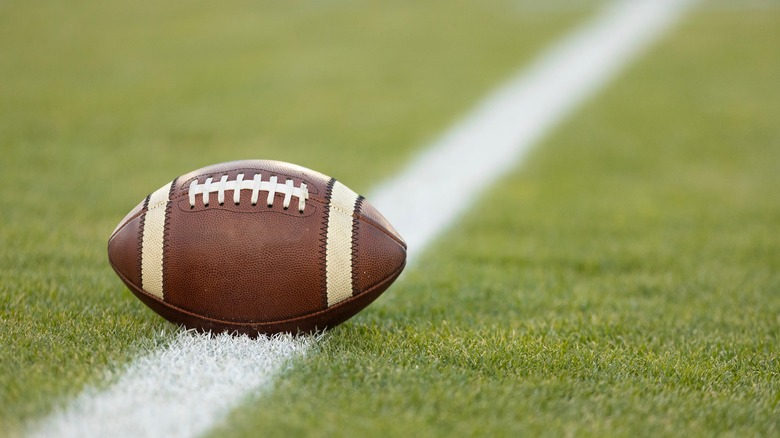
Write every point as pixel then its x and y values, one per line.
pixel 447 178
pixel 183 390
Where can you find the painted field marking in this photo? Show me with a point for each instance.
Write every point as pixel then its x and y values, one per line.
pixel 186 388
pixel 427 197
pixel 178 391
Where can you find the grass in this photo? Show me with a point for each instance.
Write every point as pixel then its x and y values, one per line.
pixel 623 282
pixel 101 103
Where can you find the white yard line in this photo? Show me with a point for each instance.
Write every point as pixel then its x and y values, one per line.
pixel 183 390
pixel 177 391
pixel 426 198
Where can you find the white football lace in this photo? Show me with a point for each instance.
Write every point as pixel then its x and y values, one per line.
pixel 256 185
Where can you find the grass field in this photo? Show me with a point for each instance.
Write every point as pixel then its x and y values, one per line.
pixel 100 103
pixel 623 281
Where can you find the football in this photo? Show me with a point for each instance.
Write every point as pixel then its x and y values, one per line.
pixel 256 247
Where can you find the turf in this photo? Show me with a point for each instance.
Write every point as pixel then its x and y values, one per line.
pixel 625 281
pixel 102 102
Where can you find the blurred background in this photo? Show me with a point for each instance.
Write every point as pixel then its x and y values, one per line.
pixel 198 82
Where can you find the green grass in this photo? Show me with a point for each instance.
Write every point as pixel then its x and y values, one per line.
pixel 102 102
pixel 625 281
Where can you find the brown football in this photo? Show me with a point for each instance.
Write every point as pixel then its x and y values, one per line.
pixel 256 247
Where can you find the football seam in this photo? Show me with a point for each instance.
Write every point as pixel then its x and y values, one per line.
pixel 176 199
pixel 323 250
pixel 130 219
pixel 312 187
pixel 368 221
pixel 166 232
pixel 322 239
pixel 384 231
pixel 320 201
pixel 355 228
pixel 141 225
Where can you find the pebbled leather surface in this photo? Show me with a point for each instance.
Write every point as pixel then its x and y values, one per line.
pixel 327 318
pixel 256 268
pixel 375 252
pixel 124 248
